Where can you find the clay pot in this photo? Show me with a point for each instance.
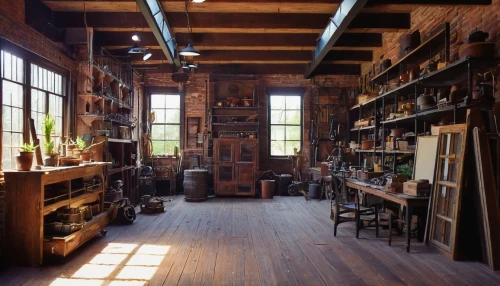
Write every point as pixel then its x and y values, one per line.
pixel 477 50
pixel 414 73
pixel 51 160
pixel 367 145
pixel 397 132
pixel 404 78
pixel 86 156
pixel 24 161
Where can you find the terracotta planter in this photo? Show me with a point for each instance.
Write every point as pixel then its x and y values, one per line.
pixel 24 161
pixel 86 156
pixel 76 152
pixel 51 160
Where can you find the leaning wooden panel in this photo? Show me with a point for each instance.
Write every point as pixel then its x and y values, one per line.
pixel 487 195
pixel 447 193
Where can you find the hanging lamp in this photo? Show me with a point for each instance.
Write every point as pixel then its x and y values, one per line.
pixel 189 50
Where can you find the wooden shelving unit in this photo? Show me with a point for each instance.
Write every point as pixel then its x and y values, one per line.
pixel 32 198
pixel 419 122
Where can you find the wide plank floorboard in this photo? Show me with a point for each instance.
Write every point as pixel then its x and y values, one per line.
pixel 245 241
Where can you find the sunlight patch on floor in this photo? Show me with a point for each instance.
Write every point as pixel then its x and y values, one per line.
pixel 119 264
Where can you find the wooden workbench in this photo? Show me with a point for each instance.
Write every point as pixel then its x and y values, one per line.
pixel 410 202
pixel 29 200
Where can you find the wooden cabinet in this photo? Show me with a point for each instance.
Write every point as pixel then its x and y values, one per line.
pixel 32 199
pixel 235 166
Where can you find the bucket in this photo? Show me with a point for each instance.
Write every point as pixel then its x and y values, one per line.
pixel 285 180
pixel 267 187
pixel 313 191
pixel 195 185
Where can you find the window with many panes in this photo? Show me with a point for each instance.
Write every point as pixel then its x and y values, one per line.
pixel 285 124
pixel 13 83
pixel 24 81
pixel 165 133
pixel 46 96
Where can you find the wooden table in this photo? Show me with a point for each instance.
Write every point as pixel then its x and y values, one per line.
pixel 410 202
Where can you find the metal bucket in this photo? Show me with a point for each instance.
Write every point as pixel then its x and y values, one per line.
pixel 267 187
pixel 285 180
pixel 195 185
pixel 314 191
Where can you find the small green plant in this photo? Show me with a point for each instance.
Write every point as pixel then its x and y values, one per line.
pixel 80 144
pixel 28 147
pixel 48 128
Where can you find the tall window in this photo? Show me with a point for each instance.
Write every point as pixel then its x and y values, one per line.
pixel 12 72
pixel 28 90
pixel 165 133
pixel 46 96
pixel 285 124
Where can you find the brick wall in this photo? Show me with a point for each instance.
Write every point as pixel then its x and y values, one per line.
pixel 463 21
pixel 195 107
pixel 13 28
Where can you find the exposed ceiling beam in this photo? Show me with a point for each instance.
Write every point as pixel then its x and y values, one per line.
pixel 324 69
pixel 213 56
pixel 249 40
pixel 224 6
pixel 246 62
pixel 236 23
pixel 342 18
pixel 251 48
pixel 304 7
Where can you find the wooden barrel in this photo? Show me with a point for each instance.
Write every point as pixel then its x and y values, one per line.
pixel 267 188
pixel 195 185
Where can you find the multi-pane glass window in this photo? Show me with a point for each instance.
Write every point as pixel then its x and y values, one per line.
pixel 43 87
pixel 285 124
pixel 12 73
pixel 46 96
pixel 165 133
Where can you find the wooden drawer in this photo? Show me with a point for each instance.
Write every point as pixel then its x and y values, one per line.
pixel 62 246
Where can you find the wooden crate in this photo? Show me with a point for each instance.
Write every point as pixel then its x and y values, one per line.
pixel 394 187
pixel 369 175
pixel 414 188
pixel 400 145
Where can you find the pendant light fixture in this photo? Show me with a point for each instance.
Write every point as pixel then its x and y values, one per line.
pixel 189 50
pixel 146 56
pixel 198 1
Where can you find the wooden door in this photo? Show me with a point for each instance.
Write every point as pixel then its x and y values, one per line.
pixel 246 151
pixel 224 151
pixel 448 188
pixel 224 178
pixel 245 179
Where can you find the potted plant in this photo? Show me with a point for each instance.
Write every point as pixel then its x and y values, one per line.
pixel 82 149
pixel 48 129
pixel 24 160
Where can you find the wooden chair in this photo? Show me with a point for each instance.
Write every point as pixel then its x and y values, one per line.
pixel 343 210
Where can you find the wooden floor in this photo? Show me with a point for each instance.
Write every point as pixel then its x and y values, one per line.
pixel 243 241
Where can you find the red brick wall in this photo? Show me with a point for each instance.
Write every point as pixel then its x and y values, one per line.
pixel 463 21
pixel 195 106
pixel 13 28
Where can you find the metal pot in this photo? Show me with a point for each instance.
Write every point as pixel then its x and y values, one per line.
pixel 408 42
pixel 385 65
pixel 478 36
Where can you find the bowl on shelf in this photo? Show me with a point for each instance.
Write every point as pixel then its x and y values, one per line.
pixel 367 144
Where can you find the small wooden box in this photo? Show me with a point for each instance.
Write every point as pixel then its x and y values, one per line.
pixel 418 189
pixel 397 178
pixel 324 169
pixel 400 145
pixel 394 187
pixel 369 175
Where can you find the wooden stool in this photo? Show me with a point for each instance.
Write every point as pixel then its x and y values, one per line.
pixel 326 188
